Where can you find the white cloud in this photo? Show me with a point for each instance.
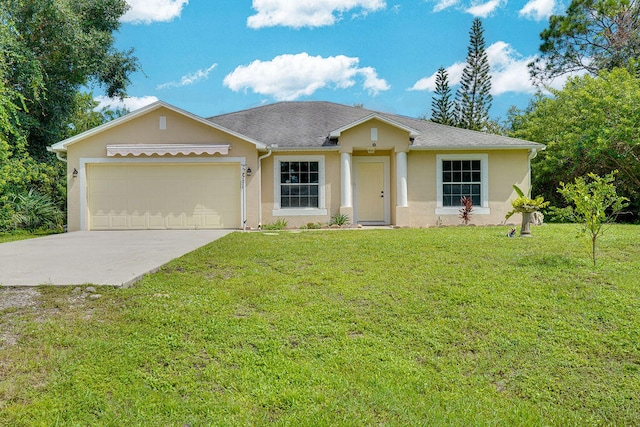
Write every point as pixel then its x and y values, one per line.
pixel 538 9
pixel 131 104
pixel 454 74
pixel 484 9
pixel 189 79
pixel 509 72
pixel 288 77
pixel 444 4
pixel 148 11
pixel 307 13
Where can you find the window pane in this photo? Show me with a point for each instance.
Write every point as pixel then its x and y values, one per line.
pixel 446 165
pixel 284 202
pixel 466 165
pixel 313 177
pixel 456 165
pixel 313 190
pixel 475 177
pixel 476 165
pixel 466 176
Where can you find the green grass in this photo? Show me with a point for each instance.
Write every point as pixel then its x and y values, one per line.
pixel 22 235
pixel 450 326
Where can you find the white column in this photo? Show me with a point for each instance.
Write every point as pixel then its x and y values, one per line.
pixel 346 200
pixel 401 179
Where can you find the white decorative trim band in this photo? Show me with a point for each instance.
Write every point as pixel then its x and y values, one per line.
pixel 165 149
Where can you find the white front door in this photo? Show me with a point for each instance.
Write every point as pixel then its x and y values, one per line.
pixel 371 190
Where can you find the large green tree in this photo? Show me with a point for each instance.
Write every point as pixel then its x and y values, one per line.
pixel 70 45
pixel 442 105
pixel 592 35
pixel 592 125
pixel 473 98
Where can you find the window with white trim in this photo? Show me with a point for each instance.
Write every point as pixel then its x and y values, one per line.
pixel 299 185
pixel 461 178
pixel 462 175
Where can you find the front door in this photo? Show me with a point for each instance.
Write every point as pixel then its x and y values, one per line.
pixel 372 190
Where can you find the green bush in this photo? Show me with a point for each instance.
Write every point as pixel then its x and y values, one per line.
pixel 559 215
pixel 32 211
pixel 339 219
pixel 280 224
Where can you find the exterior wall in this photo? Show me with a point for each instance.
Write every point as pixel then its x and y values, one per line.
pixel 331 188
pixel 145 130
pixel 506 167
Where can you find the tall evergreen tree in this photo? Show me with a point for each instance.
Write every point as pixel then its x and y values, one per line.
pixel 442 106
pixel 473 98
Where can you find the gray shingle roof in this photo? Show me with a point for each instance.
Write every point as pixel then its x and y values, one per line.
pixel 308 125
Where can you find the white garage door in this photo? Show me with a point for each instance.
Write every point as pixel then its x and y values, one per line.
pixel 163 196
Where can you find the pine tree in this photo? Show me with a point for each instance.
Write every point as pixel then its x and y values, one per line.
pixel 473 98
pixel 442 106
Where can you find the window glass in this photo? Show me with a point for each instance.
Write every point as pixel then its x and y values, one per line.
pixel 299 184
pixel 461 178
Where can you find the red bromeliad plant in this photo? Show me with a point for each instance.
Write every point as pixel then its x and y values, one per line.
pixel 466 209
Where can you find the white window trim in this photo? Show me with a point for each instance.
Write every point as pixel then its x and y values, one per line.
pixel 279 211
pixel 484 185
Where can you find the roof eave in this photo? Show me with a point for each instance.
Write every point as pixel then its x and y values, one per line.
pixel 413 133
pixel 61 147
pixel 535 146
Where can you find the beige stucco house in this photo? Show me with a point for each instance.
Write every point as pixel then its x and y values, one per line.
pixel 164 168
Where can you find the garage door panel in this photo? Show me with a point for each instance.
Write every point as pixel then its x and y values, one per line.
pixel 159 196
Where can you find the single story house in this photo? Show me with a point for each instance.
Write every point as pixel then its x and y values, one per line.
pixel 161 167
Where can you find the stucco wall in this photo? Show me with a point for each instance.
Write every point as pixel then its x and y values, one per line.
pixel 145 129
pixel 506 168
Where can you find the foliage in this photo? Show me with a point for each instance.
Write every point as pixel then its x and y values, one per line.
pixel 280 224
pixel 339 219
pixel 442 106
pixel 440 326
pixel 57 47
pixel 592 36
pixel 311 226
pixel 466 210
pixel 555 214
pixel 525 204
pixel 596 204
pixel 473 98
pixel 33 211
pixel 592 125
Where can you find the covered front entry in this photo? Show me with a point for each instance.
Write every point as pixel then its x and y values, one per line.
pixel 371 190
pixel 125 196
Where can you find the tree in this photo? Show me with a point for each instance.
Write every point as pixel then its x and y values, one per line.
pixel 596 204
pixel 442 106
pixel 473 98
pixel 69 44
pixel 592 36
pixel 591 125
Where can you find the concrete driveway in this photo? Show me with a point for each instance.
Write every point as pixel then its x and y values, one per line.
pixel 116 258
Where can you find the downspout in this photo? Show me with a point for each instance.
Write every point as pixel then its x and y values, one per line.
pixel 260 186
pixel 62 159
pixel 532 155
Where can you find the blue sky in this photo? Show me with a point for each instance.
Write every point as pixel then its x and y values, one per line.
pixel 216 56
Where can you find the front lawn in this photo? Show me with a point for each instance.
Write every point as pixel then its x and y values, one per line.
pixel 448 326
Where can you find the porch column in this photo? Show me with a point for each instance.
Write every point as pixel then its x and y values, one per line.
pixel 401 179
pixel 346 198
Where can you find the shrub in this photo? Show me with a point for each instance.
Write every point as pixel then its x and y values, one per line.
pixel 339 219
pixel 559 215
pixel 32 211
pixel 280 224
pixel 311 226
pixel 466 209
